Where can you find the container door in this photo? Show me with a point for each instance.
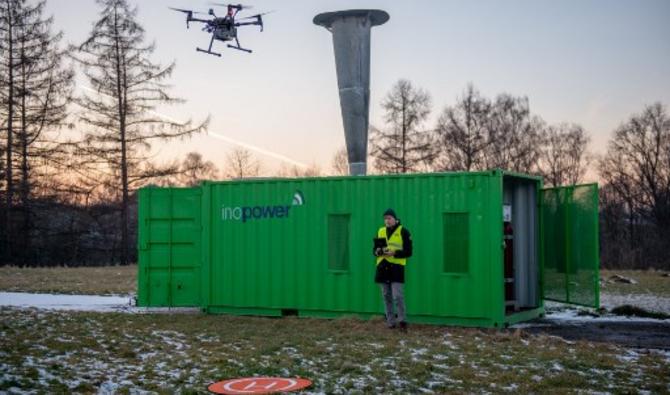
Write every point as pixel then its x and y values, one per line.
pixel 169 247
pixel 569 242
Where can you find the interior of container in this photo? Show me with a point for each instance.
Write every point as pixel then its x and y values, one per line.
pixel 521 238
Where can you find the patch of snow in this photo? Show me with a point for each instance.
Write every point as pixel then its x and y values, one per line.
pixel 173 338
pixel 558 313
pixel 450 344
pixel 573 315
pixel 108 387
pixel 18 391
pixel 94 303
pixel 418 352
pixel 630 356
pixel 63 302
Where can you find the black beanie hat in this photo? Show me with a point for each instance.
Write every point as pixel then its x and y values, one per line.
pixel 391 213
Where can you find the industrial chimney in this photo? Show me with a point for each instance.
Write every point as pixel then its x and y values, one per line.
pixel 351 41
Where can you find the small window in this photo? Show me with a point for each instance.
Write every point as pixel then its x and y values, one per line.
pixel 338 241
pixel 456 242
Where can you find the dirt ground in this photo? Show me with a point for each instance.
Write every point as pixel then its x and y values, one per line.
pixel 627 333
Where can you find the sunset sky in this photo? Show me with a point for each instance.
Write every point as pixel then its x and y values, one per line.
pixel 590 62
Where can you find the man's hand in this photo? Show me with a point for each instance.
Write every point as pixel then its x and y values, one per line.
pixel 388 252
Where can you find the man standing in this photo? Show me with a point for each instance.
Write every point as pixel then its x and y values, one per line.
pixel 390 274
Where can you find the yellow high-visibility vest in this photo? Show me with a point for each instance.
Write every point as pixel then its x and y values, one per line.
pixel 394 243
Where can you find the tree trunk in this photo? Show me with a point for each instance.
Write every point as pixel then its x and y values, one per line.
pixel 124 159
pixel 10 117
pixel 24 191
pixel 404 135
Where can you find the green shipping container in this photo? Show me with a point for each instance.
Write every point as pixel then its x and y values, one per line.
pixel 304 246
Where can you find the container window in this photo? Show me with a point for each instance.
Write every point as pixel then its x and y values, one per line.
pixel 456 242
pixel 338 241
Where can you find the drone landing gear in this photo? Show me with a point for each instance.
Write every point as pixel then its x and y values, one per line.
pixel 238 46
pixel 209 50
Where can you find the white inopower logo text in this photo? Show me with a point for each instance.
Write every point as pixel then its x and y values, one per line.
pixel 247 213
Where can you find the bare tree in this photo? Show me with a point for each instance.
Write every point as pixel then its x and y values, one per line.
pixel 299 172
pixel 45 91
pixel 194 170
pixel 636 168
pixel 515 135
pixel 127 87
pixel 564 157
pixel 621 242
pixel 340 162
pixel 463 133
pixel 240 163
pixel 10 21
pixel 35 103
pixel 404 145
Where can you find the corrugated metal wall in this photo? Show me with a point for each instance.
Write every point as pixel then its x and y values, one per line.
pixel 282 263
pixel 304 246
pixel 169 244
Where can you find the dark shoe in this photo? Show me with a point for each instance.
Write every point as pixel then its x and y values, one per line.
pixel 403 327
pixel 392 326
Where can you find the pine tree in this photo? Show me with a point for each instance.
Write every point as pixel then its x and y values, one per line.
pixel 9 24
pixel 35 104
pixel 126 89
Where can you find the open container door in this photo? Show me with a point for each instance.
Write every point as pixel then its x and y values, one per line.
pixel 569 242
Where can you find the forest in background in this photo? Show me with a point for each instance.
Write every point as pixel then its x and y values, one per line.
pixel 72 162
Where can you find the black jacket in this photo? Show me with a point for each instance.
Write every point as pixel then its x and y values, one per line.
pixel 390 272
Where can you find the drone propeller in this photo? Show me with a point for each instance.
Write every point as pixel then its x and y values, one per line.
pixel 189 14
pixel 236 6
pixel 255 16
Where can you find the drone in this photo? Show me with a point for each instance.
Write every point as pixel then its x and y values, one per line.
pixel 223 28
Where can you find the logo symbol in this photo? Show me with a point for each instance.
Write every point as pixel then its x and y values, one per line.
pixel 248 213
pixel 298 198
pixel 259 385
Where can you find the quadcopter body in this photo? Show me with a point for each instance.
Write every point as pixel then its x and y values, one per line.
pixel 223 28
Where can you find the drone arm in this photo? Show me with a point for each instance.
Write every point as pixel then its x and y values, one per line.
pixel 250 23
pixel 191 19
pixel 258 21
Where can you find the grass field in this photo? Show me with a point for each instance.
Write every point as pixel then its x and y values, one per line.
pixel 649 282
pixel 76 351
pixel 87 352
pixel 122 280
pixel 104 280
